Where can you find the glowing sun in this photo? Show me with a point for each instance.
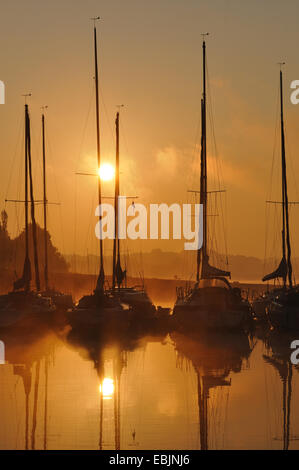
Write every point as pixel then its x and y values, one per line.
pixel 106 172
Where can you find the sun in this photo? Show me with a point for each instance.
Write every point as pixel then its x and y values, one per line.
pixel 106 172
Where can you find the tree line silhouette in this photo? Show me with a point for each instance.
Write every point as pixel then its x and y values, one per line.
pixel 12 251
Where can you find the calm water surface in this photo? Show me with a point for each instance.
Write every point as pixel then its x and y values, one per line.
pixel 158 392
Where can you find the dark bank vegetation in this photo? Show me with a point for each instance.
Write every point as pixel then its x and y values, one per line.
pixel 12 253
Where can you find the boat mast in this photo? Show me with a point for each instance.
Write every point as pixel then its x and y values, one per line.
pixel 45 206
pixel 202 253
pixel 285 205
pixel 116 239
pixel 101 277
pixel 35 253
pixel 27 267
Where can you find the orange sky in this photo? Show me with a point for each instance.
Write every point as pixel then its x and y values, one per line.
pixel 150 60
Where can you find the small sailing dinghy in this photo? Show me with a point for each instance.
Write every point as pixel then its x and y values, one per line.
pixel 281 305
pixel 24 307
pixel 100 307
pixel 212 303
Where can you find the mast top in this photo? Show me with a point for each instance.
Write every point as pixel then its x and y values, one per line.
pixel 281 64
pixel 94 19
pixel 26 95
pixel 203 36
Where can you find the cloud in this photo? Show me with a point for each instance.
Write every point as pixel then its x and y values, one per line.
pixel 167 160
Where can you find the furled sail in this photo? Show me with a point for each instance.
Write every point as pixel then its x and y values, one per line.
pixel 26 277
pixel 101 280
pixel 209 271
pixel 281 271
pixel 120 274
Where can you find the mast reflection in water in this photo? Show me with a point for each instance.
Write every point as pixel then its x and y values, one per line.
pixel 82 391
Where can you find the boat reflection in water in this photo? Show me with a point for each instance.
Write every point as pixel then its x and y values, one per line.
pixel 213 356
pixel 278 357
pixel 30 361
pixel 134 391
pixel 109 356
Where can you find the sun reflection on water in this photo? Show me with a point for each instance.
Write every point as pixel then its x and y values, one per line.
pixel 106 388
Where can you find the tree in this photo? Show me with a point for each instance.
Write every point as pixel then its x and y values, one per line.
pixel 4 219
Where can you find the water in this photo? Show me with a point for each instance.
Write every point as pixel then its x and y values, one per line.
pixel 167 391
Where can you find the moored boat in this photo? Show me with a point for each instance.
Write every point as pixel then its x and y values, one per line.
pixel 61 300
pixel 135 297
pixel 100 307
pixel 212 302
pixel 280 306
pixel 24 307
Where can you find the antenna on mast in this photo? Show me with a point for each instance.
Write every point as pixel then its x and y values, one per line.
pixel 204 34
pixel 94 19
pixel 281 64
pixel 26 95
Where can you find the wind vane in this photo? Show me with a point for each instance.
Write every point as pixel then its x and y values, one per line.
pixel 281 64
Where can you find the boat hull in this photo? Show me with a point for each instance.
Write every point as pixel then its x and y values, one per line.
pixel 203 318
pixel 213 307
pixel 90 317
pixel 25 311
pixel 283 310
pixel 283 317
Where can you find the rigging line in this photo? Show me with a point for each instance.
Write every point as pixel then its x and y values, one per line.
pixel 276 126
pixel 293 245
pixel 107 117
pixel 91 217
pixel 91 97
pixel 195 153
pixel 212 125
pixel 50 157
pixel 218 162
pixel 17 209
pixel 36 163
pixel 123 135
pixel 20 133
pixel 290 159
pixel 21 170
pixel 16 230
pixel 92 93
pixel 276 237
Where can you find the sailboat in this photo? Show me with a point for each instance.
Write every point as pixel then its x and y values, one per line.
pixel 23 306
pixel 61 301
pixel 100 307
pixel 212 302
pixel 281 305
pixel 136 298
